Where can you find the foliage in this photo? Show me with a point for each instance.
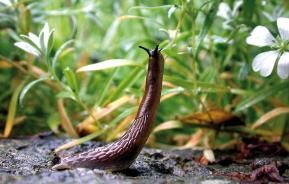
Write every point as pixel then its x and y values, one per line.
pixel 208 66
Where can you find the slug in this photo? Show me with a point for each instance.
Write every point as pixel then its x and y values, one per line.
pixel 122 153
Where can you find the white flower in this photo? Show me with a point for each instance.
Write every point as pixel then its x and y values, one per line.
pixel 225 12
pixel 34 44
pixel 265 61
pixel 172 10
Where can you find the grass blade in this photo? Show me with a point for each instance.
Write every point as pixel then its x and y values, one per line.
pixel 200 86
pixel 270 115
pixel 79 141
pixel 261 95
pixel 60 51
pixel 209 20
pixel 126 83
pixel 107 64
pixel 65 121
pixel 28 87
pixel 12 110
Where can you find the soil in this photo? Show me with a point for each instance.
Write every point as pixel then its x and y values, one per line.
pixel 29 160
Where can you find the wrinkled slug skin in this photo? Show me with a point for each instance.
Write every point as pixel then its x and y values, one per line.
pixel 122 153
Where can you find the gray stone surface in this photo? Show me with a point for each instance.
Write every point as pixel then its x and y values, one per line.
pixel 29 161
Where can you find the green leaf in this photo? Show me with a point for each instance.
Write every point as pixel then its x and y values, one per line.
pixel 122 115
pixel 248 9
pixel 261 95
pixel 112 31
pixel 28 87
pixel 172 90
pixel 42 43
pixel 54 122
pixel 151 7
pixel 112 63
pixel 50 41
pixel 66 94
pixel 25 18
pixel 197 86
pixel 28 48
pixel 104 91
pixel 6 21
pixel 130 79
pixel 71 79
pixel 110 34
pixel 60 51
pixel 30 42
pixel 209 20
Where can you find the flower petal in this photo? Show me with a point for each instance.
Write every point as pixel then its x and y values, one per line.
pixel 236 8
pixel 264 62
pixel 260 37
pixel 283 66
pixel 28 48
pixel 283 27
pixel 224 10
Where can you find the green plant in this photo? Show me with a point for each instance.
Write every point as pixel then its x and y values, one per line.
pixel 207 69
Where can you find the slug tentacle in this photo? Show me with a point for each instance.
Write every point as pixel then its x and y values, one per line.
pixel 152 53
pixel 146 49
pixel 122 153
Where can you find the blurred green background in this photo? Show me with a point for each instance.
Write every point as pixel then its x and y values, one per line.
pixel 211 96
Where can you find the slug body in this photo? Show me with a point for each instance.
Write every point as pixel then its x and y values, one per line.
pixel 122 153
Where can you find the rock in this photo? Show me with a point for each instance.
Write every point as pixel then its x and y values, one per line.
pixel 29 160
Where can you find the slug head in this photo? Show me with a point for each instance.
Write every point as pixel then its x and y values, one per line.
pixel 156 60
pixel 154 53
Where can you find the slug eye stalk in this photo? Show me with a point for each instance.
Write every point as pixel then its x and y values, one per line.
pixel 153 52
pixel 146 49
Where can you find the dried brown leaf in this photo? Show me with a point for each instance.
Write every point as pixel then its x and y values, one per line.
pixel 212 117
pixel 99 113
pixel 270 115
pixel 167 126
pixel 120 127
pixel 65 121
pixel 195 139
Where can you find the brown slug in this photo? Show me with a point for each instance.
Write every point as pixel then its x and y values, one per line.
pixel 122 153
